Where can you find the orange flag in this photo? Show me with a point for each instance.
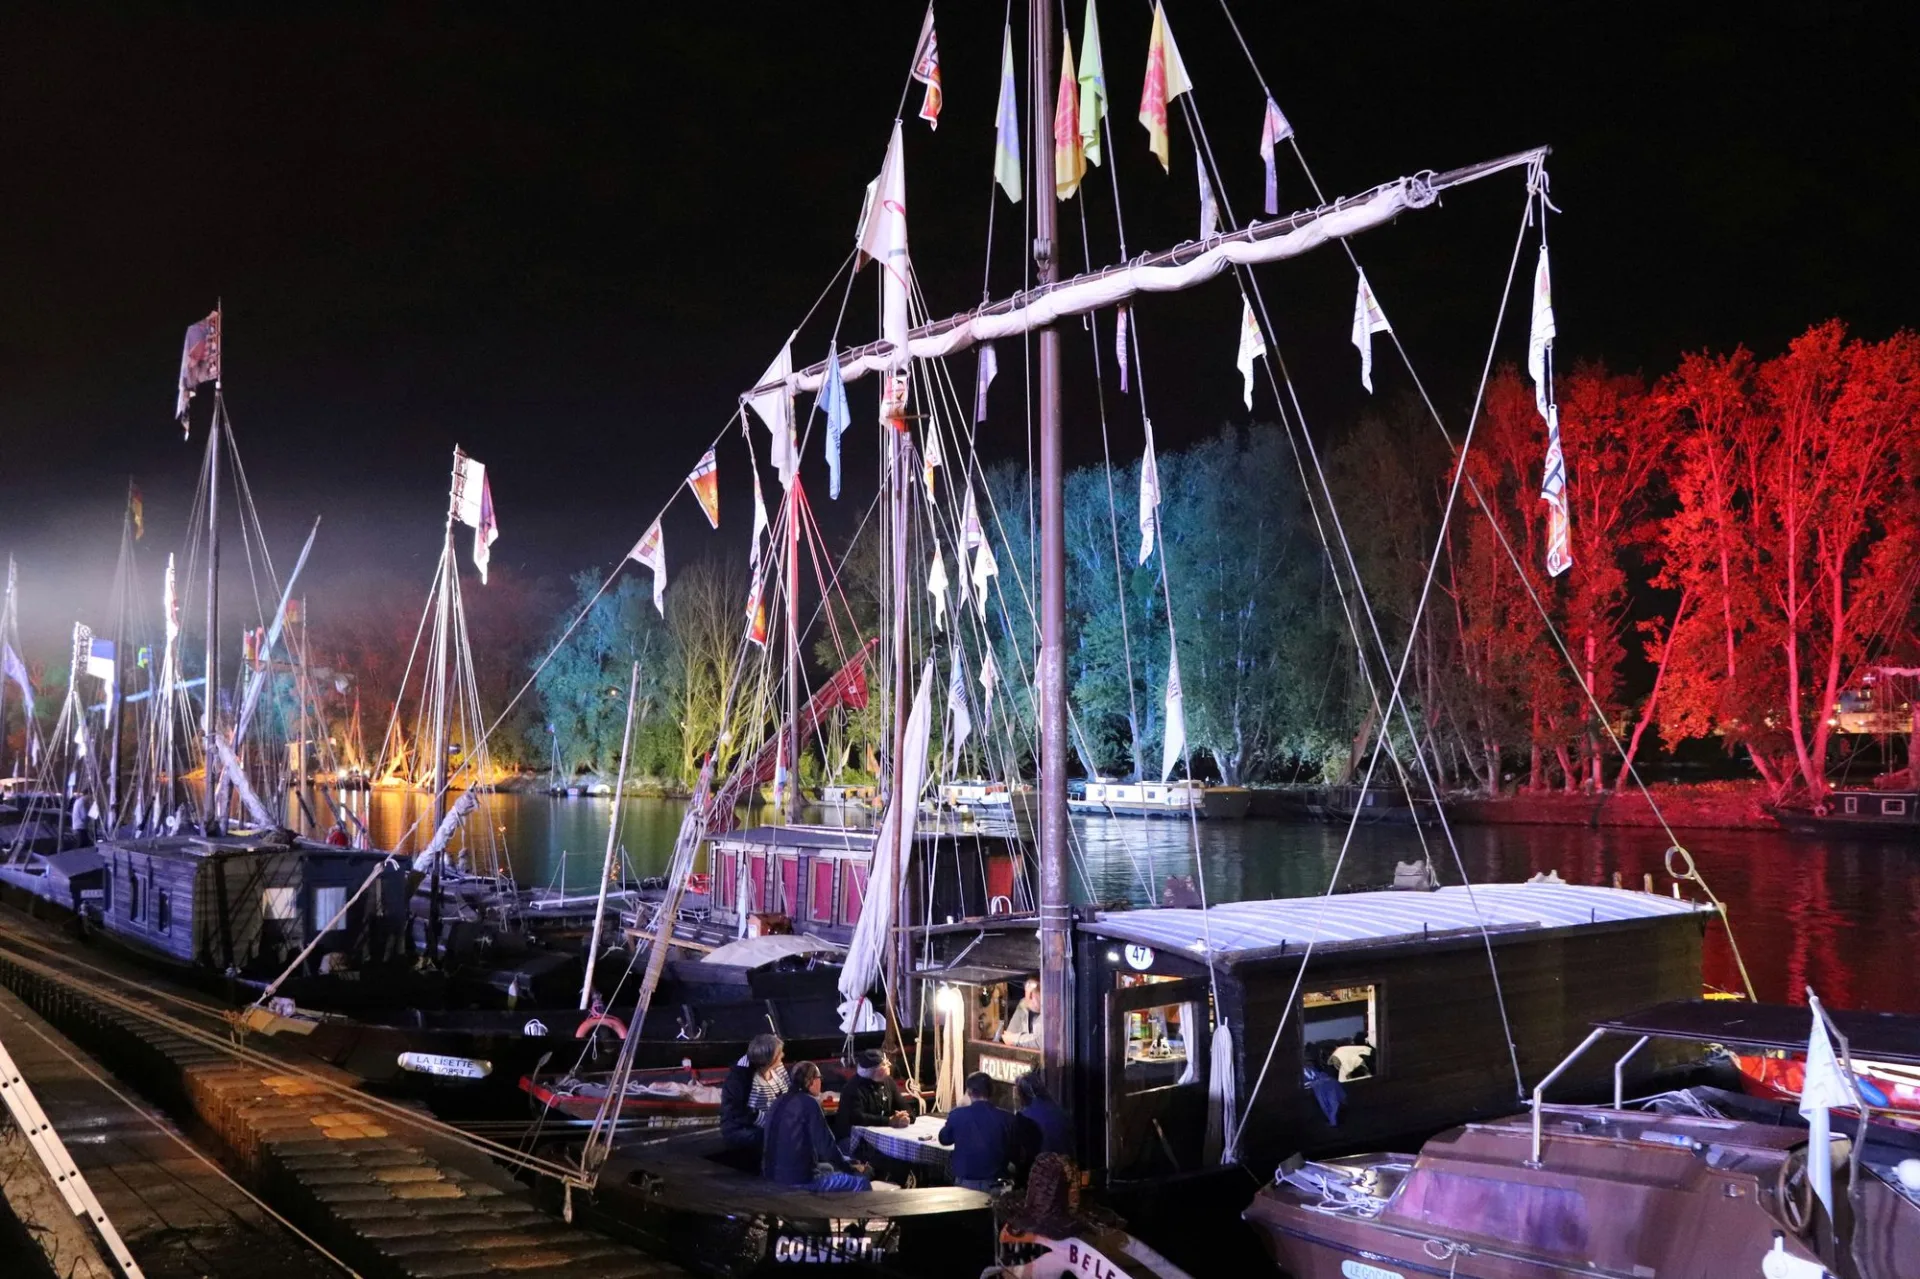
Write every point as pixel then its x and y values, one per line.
pixel 1069 159
pixel 1166 80
pixel 705 483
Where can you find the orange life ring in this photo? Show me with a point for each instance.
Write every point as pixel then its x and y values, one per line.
pixel 700 882
pixel 591 1023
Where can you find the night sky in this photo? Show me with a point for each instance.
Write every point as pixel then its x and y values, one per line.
pixel 566 239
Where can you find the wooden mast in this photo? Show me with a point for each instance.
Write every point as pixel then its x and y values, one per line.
pixel 118 683
pixel 442 641
pixel 210 701
pixel 1056 924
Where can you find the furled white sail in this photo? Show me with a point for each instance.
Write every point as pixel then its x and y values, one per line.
pixel 870 936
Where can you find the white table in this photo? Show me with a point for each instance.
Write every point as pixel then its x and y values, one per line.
pixel 917 1143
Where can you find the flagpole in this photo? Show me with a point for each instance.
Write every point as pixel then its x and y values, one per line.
pixel 209 820
pixel 118 685
pixel 1056 987
pixel 6 638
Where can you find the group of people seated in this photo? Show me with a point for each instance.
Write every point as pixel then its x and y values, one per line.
pixel 776 1114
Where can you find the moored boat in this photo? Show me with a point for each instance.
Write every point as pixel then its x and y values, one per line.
pixel 1163 799
pixel 1893 816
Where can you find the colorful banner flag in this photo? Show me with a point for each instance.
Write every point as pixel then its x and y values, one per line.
pixel 883 238
pixel 1093 86
pixel 199 362
pixel 1209 207
pixel 137 511
pixel 833 397
pixel 1120 343
pixel 1173 742
pixel 958 717
pixel 931 458
pixel 1368 319
pixel 1274 130
pixel 1553 491
pixel 926 69
pixel 1069 161
pixel 1006 125
pixel 984 372
pixel 1166 80
pixel 1253 346
pixel 1149 497
pixel 704 480
pixel 984 567
pixel 1540 335
pixel 775 408
pixel 757 614
pixel 473 506
pixel 937 587
pixel 651 551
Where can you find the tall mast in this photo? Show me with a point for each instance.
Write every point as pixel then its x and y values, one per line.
pixel 900 953
pixel 790 800
pixel 1056 987
pixel 443 640
pixel 209 821
pixel 6 637
pixel 114 702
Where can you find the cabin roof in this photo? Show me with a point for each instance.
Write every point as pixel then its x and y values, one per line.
pixel 1382 917
pixel 1890 1037
pixel 203 846
pixel 842 838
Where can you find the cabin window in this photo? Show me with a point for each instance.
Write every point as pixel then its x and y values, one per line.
pixel 1853 804
pixel 134 904
pixel 856 891
pixel 1340 1030
pixel 757 883
pixel 1893 808
pixel 789 885
pixel 822 891
pixel 1159 1049
pixel 162 911
pixel 723 886
pixel 279 903
pixel 326 904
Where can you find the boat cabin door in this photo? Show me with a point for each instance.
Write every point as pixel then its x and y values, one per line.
pixel 1157 1038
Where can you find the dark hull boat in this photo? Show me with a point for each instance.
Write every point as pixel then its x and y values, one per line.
pixel 1889 816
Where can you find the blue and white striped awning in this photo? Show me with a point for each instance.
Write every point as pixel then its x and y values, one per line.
pixel 1385 917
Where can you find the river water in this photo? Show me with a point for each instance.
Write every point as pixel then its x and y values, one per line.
pixel 1841 916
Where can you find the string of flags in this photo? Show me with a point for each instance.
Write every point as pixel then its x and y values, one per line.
pixel 1553 487
pixel 926 69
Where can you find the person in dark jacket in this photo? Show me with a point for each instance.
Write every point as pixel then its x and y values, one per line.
pixel 739 1121
pixel 870 1100
pixel 1041 1126
pixel 800 1149
pixel 981 1135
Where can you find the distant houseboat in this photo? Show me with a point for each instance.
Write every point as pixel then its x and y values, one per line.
pixel 1863 814
pixel 1162 799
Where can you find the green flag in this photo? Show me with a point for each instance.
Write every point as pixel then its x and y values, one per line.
pixel 1006 140
pixel 1093 86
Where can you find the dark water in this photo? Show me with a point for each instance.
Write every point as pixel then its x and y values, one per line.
pixel 1841 916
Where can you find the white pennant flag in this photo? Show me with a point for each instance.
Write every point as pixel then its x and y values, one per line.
pixel 775 408
pixel 883 237
pixel 651 551
pixel 473 506
pixel 760 524
pixel 1174 740
pixel 984 373
pixel 931 458
pixel 1826 1088
pixel 989 676
pixel 1540 335
pixel 1368 319
pixel 1209 207
pixel 1149 497
pixel 1273 129
pixel 937 587
pixel 970 531
pixel 1120 343
pixel 984 567
pixel 1253 346
pixel 957 706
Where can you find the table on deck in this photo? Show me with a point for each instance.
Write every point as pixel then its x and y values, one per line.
pixel 918 1143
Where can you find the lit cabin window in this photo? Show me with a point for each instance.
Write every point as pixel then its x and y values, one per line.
pixel 279 903
pixel 1340 1029
pixel 1853 804
pixel 326 904
pixel 1160 1052
pixel 1893 808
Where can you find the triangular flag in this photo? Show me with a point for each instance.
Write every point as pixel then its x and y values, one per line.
pixel 883 238
pixel 989 676
pixel 957 712
pixel 1274 129
pixel 1209 207
pixel 937 587
pixel 651 551
pixel 1174 740
pixel 1540 336
pixel 926 69
pixel 705 483
pixel 1093 86
pixel 757 614
pixel 1120 343
pixel 1166 79
pixel 1824 1089
pixel 760 524
pixel 984 373
pixel 1149 498
pixel 1253 346
pixel 1368 319
pixel 473 506
pixel 1553 491
pixel 1069 161
pixel 833 397
pixel 775 408
pixel 1006 125
pixel 971 534
pixel 984 567
pixel 930 458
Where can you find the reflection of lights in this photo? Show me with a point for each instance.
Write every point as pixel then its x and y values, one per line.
pixel 947 1000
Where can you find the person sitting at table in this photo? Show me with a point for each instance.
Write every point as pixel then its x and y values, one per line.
pixel 800 1150
pixel 981 1135
pixel 740 1118
pixel 870 1099
pixel 1023 1028
pixel 1041 1127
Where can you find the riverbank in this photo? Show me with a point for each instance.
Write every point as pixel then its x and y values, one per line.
pixel 1685 806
